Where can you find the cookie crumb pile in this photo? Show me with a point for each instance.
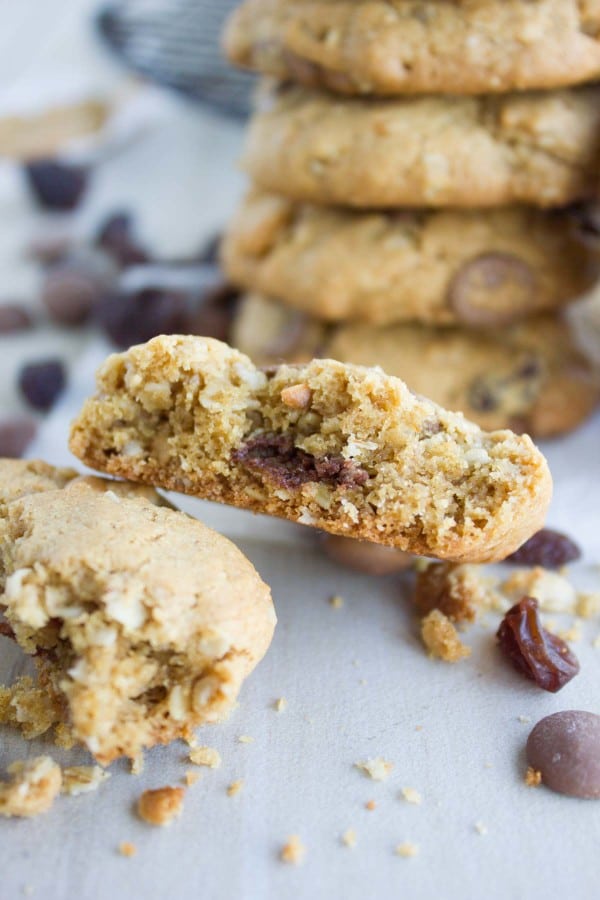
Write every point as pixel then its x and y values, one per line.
pixel 418 174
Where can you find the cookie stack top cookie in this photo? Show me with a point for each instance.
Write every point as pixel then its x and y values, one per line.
pixel 418 163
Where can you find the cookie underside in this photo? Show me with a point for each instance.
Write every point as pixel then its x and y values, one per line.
pixel 342 448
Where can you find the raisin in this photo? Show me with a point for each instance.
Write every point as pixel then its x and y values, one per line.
pixel 42 382
pixel 533 651
pixel 116 237
pixel 57 185
pixel 547 548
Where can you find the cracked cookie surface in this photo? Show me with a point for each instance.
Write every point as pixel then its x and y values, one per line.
pixel 430 46
pixel 476 267
pixel 536 148
pixel 143 622
pixel 342 448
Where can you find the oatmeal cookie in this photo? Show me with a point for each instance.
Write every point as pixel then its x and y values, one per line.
pixel 343 448
pixel 529 377
pixel 400 46
pixel 536 148
pixel 143 623
pixel 476 267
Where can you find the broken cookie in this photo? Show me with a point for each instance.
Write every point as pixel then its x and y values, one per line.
pixel 363 457
pixel 142 622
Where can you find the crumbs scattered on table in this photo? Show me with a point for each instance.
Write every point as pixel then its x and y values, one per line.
pixel 191 778
pixel 280 704
pixel 370 805
pixel 32 787
pixel 407 849
pixel 378 769
pixel 161 805
pixel 235 787
pixel 588 604
pixel 533 777
pixel 480 828
pixel 336 601
pixel 293 851
pixel 349 838
pixel 411 796
pixel 524 720
pixel 441 638
pixel 205 756
pixel 137 764
pixel 245 739
pixel 126 848
pixel 82 779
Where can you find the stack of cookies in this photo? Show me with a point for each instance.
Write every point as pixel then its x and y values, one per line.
pixel 417 172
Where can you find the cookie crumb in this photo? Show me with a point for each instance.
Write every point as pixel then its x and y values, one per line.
pixel 349 838
pixel 480 828
pixel 82 779
pixel 533 777
pixel 161 805
pixel 27 707
pixel 280 704
pixel 441 638
pixel 192 777
pixel 411 796
pixel 588 604
pixel 206 756
pixel 245 739
pixel 32 787
pixel 126 848
pixel 524 720
pixel 235 787
pixel 378 769
pixel 336 601
pixel 407 849
pixel 137 764
pixel 458 590
pixel 293 851
pixel 418 728
pixel 63 736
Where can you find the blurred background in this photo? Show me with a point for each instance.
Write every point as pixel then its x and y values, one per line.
pixel 120 126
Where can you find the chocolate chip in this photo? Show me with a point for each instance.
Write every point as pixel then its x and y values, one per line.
pixel 289 466
pixel 70 291
pixel 15 436
pixel 546 548
pixel 57 185
pixel 493 289
pixel 116 237
pixel 565 748
pixel 42 382
pixel 134 318
pixel 13 318
pixel 364 556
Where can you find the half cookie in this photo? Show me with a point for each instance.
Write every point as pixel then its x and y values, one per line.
pixel 340 447
pixel 143 622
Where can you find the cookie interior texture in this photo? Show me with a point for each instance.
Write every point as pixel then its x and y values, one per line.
pixel 343 448
pixel 143 622
pixel 399 46
pixel 530 377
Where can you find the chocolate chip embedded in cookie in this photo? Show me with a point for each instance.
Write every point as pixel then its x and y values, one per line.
pixel 363 458
pixel 403 47
pixel 539 149
pixel 143 623
pixel 483 268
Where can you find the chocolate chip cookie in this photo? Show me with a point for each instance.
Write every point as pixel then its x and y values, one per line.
pixel 402 47
pixel 535 148
pixel 143 623
pixel 475 267
pixel 343 448
pixel 529 377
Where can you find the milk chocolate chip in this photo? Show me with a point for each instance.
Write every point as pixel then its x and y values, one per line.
pixel 493 289
pixel 565 748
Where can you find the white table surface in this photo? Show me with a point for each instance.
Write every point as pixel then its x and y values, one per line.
pixel 356 680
